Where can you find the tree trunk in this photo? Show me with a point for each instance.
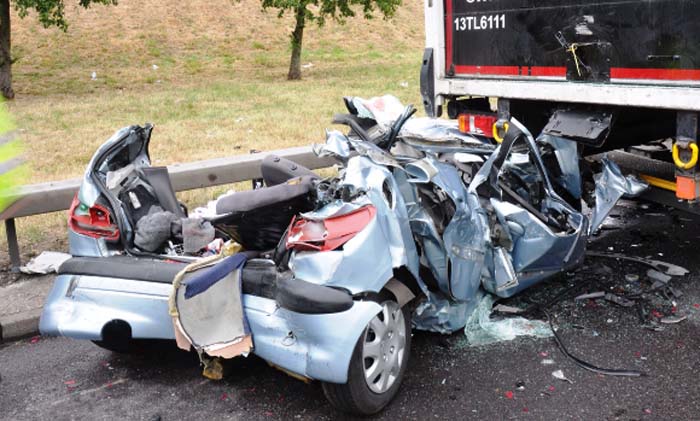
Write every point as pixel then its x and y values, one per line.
pixel 5 51
pixel 297 36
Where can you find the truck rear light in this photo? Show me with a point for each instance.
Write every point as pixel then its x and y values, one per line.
pixel 477 124
pixel 687 188
pixel 330 233
pixel 95 221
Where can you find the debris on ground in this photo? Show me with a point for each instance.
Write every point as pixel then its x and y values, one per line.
pixel 664 267
pixel 482 330
pixel 559 375
pixel 657 276
pixel 672 319
pixel 46 262
pixel 619 300
pixel 590 295
pixel 501 308
pixel 213 369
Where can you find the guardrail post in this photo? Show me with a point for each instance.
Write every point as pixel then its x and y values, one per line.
pixel 12 244
pixel 257 183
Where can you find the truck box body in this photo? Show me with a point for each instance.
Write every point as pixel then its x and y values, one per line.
pixel 615 52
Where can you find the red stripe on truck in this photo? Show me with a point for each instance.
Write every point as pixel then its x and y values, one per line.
pixel 657 74
pixel 553 71
pixel 548 71
pixel 488 70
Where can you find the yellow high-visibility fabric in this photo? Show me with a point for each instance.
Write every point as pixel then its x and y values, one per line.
pixel 13 171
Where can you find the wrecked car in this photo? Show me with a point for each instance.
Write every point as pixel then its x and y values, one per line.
pixel 322 277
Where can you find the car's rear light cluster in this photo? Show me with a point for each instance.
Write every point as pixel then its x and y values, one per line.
pixel 477 124
pixel 95 221
pixel 328 234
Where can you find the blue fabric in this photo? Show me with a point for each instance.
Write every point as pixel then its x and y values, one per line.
pixel 203 281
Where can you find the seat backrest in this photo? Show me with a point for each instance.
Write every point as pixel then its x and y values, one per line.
pixel 250 200
pixel 257 219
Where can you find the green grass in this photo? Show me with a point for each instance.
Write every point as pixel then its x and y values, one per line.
pixel 219 89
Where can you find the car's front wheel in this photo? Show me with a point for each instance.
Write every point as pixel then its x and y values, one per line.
pixel 377 365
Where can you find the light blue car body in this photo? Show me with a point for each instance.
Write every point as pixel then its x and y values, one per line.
pixel 463 260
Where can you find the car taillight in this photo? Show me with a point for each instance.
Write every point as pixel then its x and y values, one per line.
pixel 328 234
pixel 477 124
pixel 92 221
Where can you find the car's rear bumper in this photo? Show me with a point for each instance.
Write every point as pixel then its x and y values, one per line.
pixel 79 306
pixel 317 346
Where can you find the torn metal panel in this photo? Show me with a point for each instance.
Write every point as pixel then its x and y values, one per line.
pixel 439 314
pixel 610 186
pixel 308 344
pixel 538 251
pixel 336 145
pixel 542 240
pixel 566 152
pixel 436 130
pixel 132 142
pixel 465 241
pixel 388 231
pixel 464 257
pixel 421 171
pixel 424 231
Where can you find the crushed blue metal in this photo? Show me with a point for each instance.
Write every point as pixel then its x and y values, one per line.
pixel 459 217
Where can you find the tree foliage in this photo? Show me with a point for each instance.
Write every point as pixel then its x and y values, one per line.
pixel 51 12
pixel 334 9
pixel 319 11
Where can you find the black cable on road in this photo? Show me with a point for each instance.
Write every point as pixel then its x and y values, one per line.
pixel 586 365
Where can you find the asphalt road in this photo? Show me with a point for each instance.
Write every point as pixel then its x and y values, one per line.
pixel 56 378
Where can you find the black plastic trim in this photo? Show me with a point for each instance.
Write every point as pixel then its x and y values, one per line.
pixel 260 278
pixel 123 267
pixel 307 298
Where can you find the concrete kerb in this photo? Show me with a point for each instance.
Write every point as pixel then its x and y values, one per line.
pixel 21 304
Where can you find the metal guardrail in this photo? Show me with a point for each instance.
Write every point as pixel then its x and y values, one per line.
pixel 37 199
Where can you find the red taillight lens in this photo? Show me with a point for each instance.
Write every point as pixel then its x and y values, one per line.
pixel 92 221
pixel 477 124
pixel 328 234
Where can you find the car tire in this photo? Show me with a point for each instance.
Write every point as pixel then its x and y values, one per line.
pixel 365 392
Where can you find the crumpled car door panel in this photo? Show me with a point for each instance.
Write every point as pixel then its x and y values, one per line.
pixel 540 233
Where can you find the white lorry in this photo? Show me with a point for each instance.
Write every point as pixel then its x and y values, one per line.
pixel 620 76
